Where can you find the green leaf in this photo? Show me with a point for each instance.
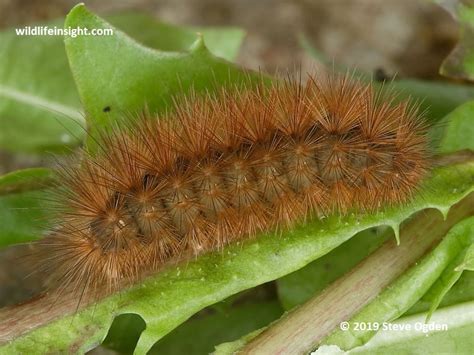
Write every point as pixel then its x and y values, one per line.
pixel 437 98
pixel 23 205
pixel 463 261
pixel 40 109
pixel 120 76
pixel 460 62
pixel 416 337
pixel 223 42
pixel 441 287
pixel 458 129
pixel 198 335
pixel 39 105
pixel 26 180
pixel 233 347
pixel 168 298
pixel 298 287
pixel 22 224
pixel 462 291
pixel 124 333
pixel 385 305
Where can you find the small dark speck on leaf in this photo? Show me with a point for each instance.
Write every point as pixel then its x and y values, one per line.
pixel 106 109
pixel 381 75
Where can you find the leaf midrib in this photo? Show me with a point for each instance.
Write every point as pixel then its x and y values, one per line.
pixel 42 103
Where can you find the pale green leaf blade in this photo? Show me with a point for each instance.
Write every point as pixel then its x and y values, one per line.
pixel 123 77
pixel 199 334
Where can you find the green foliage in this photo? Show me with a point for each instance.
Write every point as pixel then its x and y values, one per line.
pixel 457 339
pixel 458 127
pixel 152 83
pixel 25 180
pixel 22 224
pixel 433 270
pixel 216 328
pixel 430 276
pixel 120 76
pixel 169 298
pixel 460 62
pixel 222 322
pixel 223 42
pixel 462 291
pixel 23 201
pixel 39 106
pixel 300 286
pixel 40 110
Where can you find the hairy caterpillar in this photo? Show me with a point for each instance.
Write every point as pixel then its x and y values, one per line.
pixel 224 167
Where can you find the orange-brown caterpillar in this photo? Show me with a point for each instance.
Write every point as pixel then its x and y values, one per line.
pixel 224 167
